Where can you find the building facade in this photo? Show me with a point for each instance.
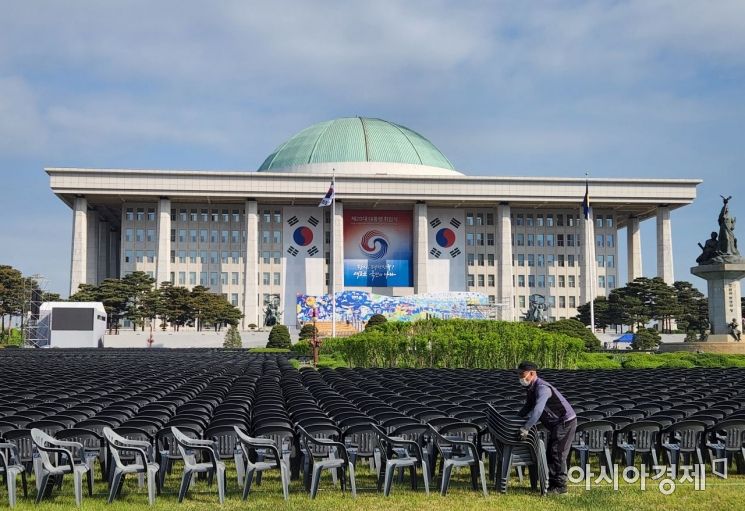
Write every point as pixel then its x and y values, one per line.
pixel 405 222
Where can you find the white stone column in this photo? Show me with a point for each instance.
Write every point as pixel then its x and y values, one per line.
pixel 104 230
pixel 505 289
pixel 665 245
pixel 337 248
pixel 633 248
pixel 115 243
pixel 163 255
pixel 588 265
pixel 91 260
pixel 79 249
pixel 421 248
pixel 251 266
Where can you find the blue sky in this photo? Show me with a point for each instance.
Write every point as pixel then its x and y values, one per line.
pixel 635 89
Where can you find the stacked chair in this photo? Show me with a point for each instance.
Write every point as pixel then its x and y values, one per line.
pixel 513 451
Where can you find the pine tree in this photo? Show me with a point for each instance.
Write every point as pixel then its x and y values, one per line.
pixel 232 338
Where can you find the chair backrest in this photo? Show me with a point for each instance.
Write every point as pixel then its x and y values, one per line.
pixel 688 434
pixel 21 438
pixel 734 430
pixel 596 435
pixel 643 435
pixel 363 436
pixel 43 441
pixel 89 439
pixel 225 438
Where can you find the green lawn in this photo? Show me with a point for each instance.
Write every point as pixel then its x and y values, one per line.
pixel 719 494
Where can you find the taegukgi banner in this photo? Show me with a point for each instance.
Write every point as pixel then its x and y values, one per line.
pixel 377 248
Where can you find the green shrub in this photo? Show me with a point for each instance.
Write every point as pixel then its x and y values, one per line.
pixel 308 331
pixel 303 348
pixel 642 361
pixel 279 337
pixel 598 361
pixel 232 338
pixel 375 320
pixel 268 350
pixel 646 339
pixel 575 328
pixel 677 363
pixel 456 343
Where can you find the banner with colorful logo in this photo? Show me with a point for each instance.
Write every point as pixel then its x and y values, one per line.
pixel 377 248
pixel 446 267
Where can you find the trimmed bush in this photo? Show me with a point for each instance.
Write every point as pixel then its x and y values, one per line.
pixel 308 331
pixel 375 320
pixel 456 343
pixel 575 328
pixel 598 361
pixel 232 338
pixel 279 337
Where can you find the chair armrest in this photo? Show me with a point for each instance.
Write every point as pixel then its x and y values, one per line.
pixel 195 442
pixel 140 451
pixel 60 450
pixel 13 448
pixel 134 443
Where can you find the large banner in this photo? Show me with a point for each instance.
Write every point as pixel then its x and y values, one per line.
pixel 377 248
pixel 303 264
pixel 359 306
pixel 446 268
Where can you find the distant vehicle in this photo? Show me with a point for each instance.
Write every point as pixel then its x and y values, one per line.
pixel 72 325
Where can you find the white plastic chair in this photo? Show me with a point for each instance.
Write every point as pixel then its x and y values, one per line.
pixel 213 467
pixel 269 447
pixel 11 469
pixel 45 445
pixel 118 443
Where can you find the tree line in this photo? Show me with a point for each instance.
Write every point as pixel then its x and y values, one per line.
pixel 15 295
pixel 644 300
pixel 136 298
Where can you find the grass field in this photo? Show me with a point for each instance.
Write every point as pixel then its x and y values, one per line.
pixel 719 494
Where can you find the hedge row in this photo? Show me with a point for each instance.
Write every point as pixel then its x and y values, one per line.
pixel 657 360
pixel 454 343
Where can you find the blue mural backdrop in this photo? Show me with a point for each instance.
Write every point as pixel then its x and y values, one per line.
pixel 358 306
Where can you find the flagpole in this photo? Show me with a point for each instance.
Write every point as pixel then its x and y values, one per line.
pixel 593 262
pixel 333 259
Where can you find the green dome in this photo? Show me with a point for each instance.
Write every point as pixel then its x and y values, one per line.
pixel 355 139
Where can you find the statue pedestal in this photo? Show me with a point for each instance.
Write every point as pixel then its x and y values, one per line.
pixel 723 284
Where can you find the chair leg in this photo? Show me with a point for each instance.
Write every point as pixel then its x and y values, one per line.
pixel 285 477
pixel 447 469
pixel 352 480
pixel 77 478
pixel 389 472
pixel 247 480
pixel 152 484
pixel 10 479
pixel 114 488
pixel 315 480
pixel 185 480
pixel 24 483
pixel 42 487
pixel 240 467
pixel 221 482
pixel 425 476
pixel 482 475
pixel 89 476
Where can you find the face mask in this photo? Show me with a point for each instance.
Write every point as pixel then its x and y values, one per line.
pixel 524 382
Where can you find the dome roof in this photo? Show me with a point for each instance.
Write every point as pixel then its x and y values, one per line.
pixel 360 140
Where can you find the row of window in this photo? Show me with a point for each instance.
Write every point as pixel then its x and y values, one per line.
pixel 206 215
pixel 561 260
pixel 214 278
pixel 549 281
pixel 538 220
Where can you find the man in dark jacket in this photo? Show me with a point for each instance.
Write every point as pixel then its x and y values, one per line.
pixel 545 403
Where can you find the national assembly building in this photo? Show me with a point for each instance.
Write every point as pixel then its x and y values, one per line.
pixel 407 232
